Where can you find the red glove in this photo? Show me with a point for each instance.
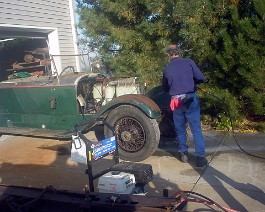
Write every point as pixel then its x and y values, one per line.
pixel 175 103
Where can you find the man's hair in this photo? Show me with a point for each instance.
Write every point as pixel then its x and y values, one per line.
pixel 173 50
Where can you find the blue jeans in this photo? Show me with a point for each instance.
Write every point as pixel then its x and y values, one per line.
pixel 190 114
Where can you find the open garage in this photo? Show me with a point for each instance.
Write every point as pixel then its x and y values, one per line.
pixel 33 31
pixel 23 50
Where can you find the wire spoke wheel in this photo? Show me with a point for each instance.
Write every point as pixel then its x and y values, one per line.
pixel 138 135
pixel 130 133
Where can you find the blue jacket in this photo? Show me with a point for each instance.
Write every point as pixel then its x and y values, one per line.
pixel 181 76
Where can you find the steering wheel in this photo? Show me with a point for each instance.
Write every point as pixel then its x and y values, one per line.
pixel 71 68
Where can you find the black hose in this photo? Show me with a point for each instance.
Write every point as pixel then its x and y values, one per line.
pixel 232 125
pixel 200 195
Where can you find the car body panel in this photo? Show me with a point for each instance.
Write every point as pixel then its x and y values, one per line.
pixel 51 103
pixel 160 97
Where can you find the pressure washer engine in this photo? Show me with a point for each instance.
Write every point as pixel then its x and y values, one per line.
pixel 121 178
pixel 126 178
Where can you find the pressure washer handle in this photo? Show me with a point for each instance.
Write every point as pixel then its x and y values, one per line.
pixel 201 89
pixel 210 93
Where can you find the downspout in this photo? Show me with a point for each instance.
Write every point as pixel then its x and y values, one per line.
pixel 74 33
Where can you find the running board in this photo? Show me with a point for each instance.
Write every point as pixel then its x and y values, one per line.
pixel 59 134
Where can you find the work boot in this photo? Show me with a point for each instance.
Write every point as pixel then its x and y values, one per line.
pixel 184 157
pixel 201 161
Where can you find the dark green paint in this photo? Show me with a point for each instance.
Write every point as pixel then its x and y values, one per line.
pixel 27 104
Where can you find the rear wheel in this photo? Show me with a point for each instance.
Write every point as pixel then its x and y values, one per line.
pixel 138 136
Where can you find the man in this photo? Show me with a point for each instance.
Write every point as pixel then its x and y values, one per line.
pixel 179 79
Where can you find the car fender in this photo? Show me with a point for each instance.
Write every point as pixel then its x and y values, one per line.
pixel 147 105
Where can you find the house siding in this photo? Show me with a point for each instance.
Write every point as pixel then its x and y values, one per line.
pixel 49 13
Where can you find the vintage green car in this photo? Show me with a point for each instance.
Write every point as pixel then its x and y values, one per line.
pixel 49 106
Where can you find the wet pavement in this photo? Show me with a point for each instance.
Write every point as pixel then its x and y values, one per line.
pixel 232 178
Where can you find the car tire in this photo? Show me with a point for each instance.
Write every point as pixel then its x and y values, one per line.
pixel 138 135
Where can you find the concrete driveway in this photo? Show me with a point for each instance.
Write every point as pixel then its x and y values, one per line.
pixel 232 179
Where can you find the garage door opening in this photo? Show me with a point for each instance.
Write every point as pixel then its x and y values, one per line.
pixel 21 57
